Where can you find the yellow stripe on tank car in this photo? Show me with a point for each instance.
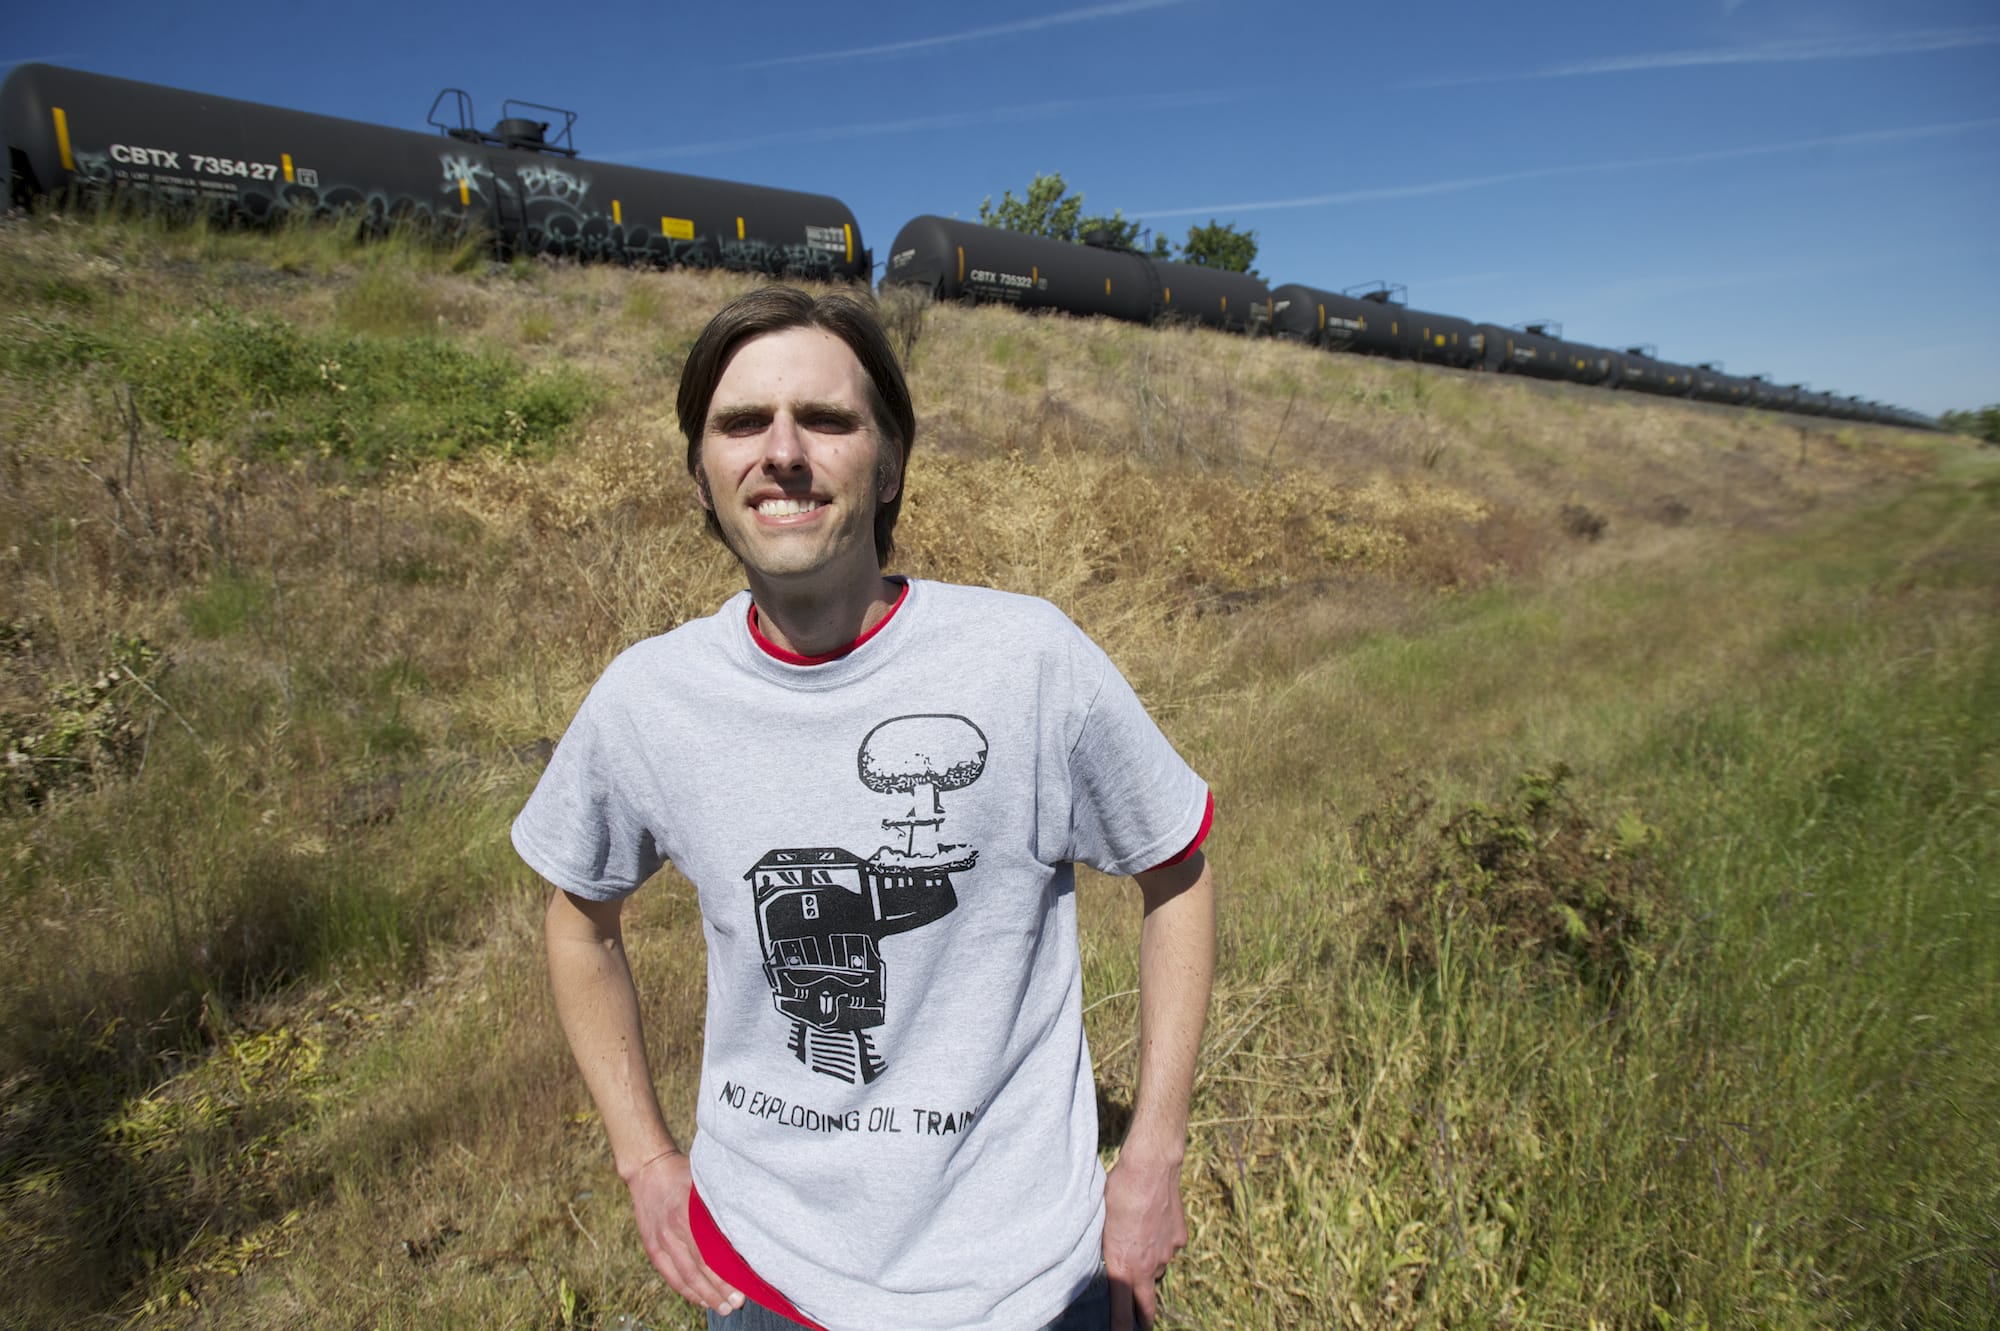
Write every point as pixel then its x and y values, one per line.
pixel 617 213
pixel 1170 295
pixel 1107 286
pixel 1225 304
pixel 62 138
pixel 290 175
pixel 961 263
pixel 1322 318
pixel 847 229
pixel 464 193
pixel 739 228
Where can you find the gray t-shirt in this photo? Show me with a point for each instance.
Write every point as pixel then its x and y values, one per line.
pixel 897 1124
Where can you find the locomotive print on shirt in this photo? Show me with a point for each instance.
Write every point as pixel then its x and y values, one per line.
pixel 823 911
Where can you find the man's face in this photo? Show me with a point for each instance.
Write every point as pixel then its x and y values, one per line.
pixel 789 459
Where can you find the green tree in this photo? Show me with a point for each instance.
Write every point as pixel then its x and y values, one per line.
pixel 1221 245
pixel 1982 424
pixel 1048 209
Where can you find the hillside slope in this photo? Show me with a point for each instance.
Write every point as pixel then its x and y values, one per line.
pixel 311 550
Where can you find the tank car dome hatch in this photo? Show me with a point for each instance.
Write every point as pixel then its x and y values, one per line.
pixel 1379 292
pixel 520 132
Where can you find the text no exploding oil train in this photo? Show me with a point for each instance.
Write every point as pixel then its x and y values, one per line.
pixel 68 132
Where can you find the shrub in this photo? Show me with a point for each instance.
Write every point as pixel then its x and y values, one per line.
pixel 1582 523
pixel 1533 876
pixel 80 730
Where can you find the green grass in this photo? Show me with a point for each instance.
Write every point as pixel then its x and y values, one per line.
pixel 371 400
pixel 1781 1123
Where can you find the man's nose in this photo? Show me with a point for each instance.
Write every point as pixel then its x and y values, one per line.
pixel 784 450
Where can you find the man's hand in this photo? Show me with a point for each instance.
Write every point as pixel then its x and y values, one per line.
pixel 1144 1226
pixel 660 1202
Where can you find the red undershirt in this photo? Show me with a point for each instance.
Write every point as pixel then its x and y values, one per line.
pixel 715 1247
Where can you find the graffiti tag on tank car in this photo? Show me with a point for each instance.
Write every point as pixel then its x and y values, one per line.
pixel 549 184
pixel 458 170
pixel 761 256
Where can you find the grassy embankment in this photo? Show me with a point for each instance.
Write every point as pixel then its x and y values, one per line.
pixel 1607 799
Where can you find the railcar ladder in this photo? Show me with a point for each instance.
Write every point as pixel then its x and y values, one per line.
pixel 510 217
pixel 1156 291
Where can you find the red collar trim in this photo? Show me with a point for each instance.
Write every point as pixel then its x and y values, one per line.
pixel 772 650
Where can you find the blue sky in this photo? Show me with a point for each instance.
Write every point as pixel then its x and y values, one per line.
pixel 1808 190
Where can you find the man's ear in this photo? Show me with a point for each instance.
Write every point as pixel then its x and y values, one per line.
pixel 701 489
pixel 888 480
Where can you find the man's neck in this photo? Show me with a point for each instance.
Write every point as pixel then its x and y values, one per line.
pixel 812 622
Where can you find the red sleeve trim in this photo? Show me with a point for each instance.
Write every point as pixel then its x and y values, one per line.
pixel 1201 835
pixel 725 1261
pixel 790 657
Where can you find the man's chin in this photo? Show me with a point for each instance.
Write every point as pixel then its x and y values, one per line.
pixel 780 564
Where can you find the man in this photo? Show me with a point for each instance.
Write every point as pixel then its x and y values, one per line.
pixel 897 1121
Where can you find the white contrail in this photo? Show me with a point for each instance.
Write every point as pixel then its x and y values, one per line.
pixel 998 115
pixel 1463 183
pixel 1085 15
pixel 1769 53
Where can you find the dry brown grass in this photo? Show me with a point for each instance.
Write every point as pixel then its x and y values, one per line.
pixel 362 668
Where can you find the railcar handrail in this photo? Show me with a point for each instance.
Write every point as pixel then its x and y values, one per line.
pixel 468 131
pixel 1382 293
pixel 464 128
pixel 566 148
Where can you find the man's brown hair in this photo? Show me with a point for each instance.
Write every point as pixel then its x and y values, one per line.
pixel 775 309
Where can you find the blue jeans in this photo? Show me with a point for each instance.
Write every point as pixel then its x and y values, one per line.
pixel 1090 1312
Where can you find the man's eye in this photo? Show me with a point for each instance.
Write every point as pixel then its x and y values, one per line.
pixel 742 425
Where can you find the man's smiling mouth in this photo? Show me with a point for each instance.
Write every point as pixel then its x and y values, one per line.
pixel 787 508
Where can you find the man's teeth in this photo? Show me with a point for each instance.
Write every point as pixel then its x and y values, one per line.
pixel 785 508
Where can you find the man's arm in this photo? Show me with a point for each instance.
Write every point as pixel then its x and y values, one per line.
pixel 1145 1223
pixel 599 1009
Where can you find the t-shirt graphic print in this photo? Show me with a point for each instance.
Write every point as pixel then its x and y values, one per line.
pixel 823 911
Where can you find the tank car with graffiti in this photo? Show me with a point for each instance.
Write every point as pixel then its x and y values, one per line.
pixel 71 132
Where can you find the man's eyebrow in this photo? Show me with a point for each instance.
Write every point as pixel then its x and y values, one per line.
pixel 822 409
